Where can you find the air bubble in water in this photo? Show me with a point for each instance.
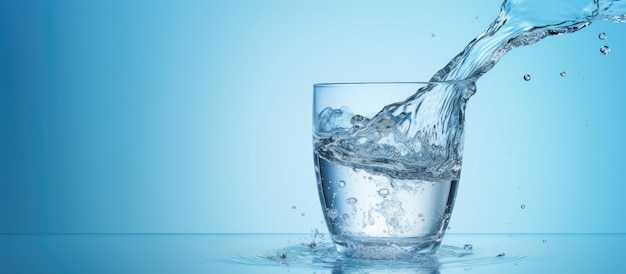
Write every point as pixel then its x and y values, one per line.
pixel 332 213
pixel 351 200
pixel 302 214
pixel 544 241
pixel 468 247
pixel 522 206
pixel 563 73
pixel 432 34
pixel 394 222
pixel 501 255
pixel 383 192
pixel 345 217
pixel 602 35
pixel 293 207
pixel 526 77
pixel 359 121
pixel 605 49
pixel 342 183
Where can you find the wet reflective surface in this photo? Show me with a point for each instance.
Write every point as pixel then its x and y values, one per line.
pixel 302 253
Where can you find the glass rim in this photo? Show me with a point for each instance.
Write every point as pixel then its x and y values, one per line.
pixel 334 84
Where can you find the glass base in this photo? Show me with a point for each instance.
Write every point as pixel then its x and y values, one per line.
pixel 392 248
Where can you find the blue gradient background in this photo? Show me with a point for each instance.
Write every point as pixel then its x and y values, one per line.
pixel 194 116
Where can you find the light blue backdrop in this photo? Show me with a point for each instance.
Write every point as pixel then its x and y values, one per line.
pixel 194 116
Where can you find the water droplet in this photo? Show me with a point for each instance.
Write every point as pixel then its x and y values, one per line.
pixel 522 206
pixel 526 77
pixel 383 192
pixel 293 207
pixel 468 247
pixel 351 200
pixel 342 183
pixel 605 50
pixel 563 73
pixel 432 34
pixel 501 255
pixel 602 35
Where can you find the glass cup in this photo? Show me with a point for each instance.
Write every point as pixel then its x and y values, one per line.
pixel 388 161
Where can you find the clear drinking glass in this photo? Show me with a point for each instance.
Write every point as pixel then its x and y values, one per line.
pixel 388 161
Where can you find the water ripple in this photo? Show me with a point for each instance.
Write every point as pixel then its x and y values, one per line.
pixel 324 256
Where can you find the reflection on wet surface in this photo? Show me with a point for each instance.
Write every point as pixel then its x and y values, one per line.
pixel 295 253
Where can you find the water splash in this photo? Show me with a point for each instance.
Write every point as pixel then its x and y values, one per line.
pixel 522 23
pixel 394 142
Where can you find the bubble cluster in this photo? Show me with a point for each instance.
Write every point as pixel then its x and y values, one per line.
pixel 526 77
